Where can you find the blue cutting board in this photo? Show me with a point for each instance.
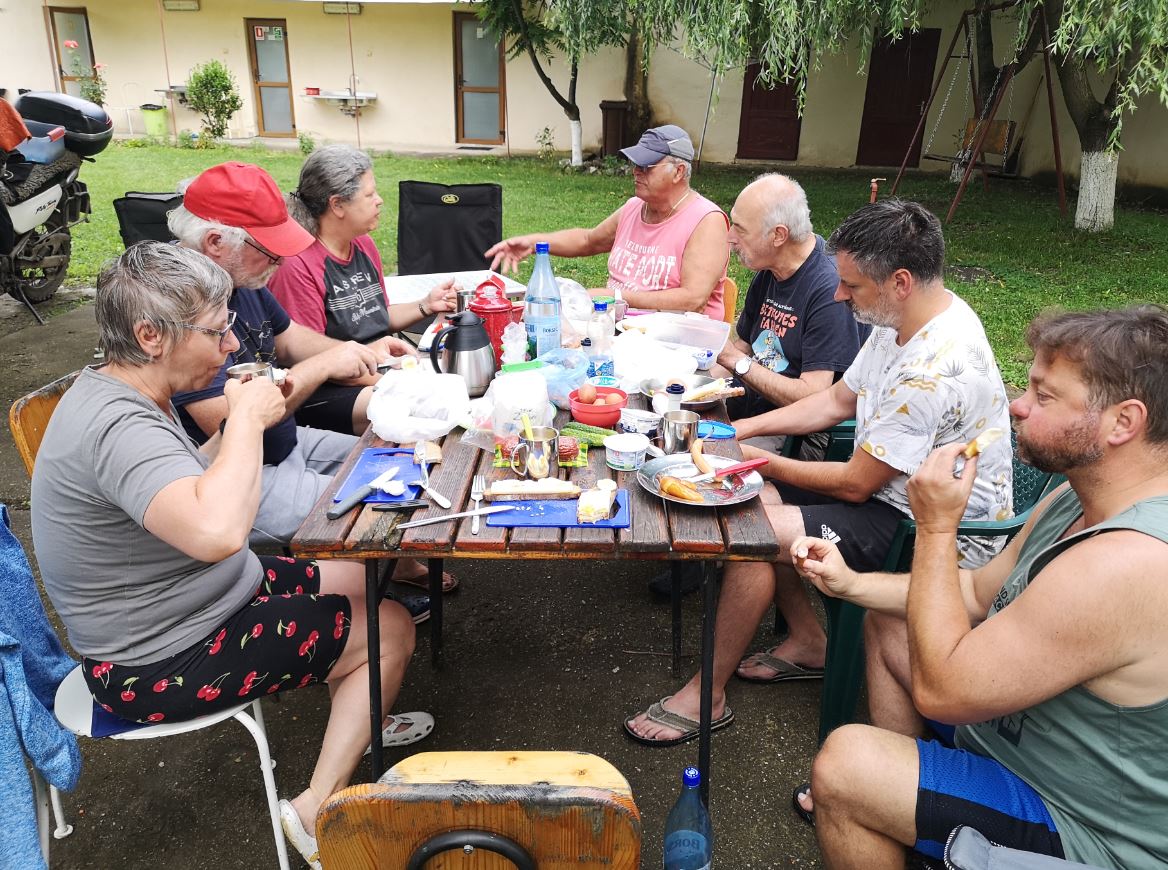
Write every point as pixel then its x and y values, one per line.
pixel 558 513
pixel 375 461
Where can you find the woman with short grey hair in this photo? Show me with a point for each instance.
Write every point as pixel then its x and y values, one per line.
pixel 142 536
pixel 336 287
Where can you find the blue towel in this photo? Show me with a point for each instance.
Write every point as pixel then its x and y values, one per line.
pixel 32 665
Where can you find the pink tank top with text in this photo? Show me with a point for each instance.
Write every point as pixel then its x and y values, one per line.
pixel 648 256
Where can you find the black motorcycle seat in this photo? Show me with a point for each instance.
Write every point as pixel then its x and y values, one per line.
pixel 23 180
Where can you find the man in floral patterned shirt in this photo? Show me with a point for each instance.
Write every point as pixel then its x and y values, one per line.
pixel 926 377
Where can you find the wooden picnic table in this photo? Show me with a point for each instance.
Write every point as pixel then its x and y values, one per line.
pixel 660 531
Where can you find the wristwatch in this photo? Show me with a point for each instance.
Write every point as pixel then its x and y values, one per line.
pixel 743 366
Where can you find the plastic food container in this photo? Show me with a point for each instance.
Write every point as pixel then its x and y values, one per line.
pixel 640 422
pixel 625 451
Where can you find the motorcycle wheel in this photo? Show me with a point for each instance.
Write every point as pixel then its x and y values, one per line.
pixel 42 263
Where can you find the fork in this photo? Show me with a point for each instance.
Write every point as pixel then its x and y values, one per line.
pixel 477 488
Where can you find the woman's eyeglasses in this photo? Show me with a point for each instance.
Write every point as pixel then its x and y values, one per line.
pixel 220 334
pixel 272 258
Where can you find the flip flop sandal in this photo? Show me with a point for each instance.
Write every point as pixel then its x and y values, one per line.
pixel 421 724
pixel 784 670
pixel 690 728
pixel 806 815
pixel 449 582
pixel 301 840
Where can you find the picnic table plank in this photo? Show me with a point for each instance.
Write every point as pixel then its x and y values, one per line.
pixel 489 539
pixel 319 535
pixel 451 477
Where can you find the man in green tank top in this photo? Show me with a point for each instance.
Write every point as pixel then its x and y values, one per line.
pixel 1051 660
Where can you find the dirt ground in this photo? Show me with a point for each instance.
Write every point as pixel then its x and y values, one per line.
pixel 539 656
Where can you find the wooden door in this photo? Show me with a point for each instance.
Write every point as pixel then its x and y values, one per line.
pixel 768 128
pixel 267 49
pixel 480 91
pixel 72 45
pixel 899 78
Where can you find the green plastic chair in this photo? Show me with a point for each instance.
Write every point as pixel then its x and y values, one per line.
pixel 844 666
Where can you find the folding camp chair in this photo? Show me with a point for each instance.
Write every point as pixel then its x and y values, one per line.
pixel 142 216
pixel 446 228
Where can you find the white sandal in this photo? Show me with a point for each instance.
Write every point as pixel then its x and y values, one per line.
pixel 421 724
pixel 297 836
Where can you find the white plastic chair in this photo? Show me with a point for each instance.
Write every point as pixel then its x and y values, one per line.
pixel 74 710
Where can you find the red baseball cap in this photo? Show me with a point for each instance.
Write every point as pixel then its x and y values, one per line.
pixel 245 196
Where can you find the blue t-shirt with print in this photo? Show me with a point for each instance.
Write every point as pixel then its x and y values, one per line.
pixel 259 318
pixel 796 326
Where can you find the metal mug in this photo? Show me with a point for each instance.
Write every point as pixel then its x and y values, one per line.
pixel 463 299
pixel 244 372
pixel 678 430
pixel 539 451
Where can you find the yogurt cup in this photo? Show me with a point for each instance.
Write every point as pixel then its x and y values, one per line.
pixel 642 422
pixel 625 451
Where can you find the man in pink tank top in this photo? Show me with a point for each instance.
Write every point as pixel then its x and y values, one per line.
pixel 667 246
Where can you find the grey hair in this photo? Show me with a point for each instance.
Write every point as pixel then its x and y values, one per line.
pixel 685 163
pixel 191 230
pixel 788 208
pixel 334 170
pixel 156 283
pixel 892 234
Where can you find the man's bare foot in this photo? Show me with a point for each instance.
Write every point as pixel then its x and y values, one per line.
pixel 685 703
pixel 799 664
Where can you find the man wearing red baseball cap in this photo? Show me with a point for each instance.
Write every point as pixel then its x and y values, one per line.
pixel 235 214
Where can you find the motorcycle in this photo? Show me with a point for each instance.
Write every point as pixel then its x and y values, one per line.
pixel 41 196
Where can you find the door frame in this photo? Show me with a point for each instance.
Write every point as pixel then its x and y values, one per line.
pixel 459 89
pixel 249 25
pixel 62 75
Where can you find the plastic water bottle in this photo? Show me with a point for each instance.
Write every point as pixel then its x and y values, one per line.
pixel 689 839
pixel 542 312
pixel 600 331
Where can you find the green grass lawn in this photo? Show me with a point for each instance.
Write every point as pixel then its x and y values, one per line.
pixel 1010 253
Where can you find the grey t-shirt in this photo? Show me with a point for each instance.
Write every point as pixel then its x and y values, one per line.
pixel 124 595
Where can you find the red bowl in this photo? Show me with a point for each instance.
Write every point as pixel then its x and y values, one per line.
pixel 598 415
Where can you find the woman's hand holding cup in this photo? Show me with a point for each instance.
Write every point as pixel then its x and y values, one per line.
pixel 258 399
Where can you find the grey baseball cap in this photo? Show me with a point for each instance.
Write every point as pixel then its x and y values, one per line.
pixel 666 141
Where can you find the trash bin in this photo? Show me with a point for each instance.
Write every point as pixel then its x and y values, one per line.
pixel 615 115
pixel 154 120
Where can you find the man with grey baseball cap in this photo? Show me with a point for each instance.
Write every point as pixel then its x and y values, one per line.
pixel 667 246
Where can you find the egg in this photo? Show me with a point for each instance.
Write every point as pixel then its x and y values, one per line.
pixel 614 399
pixel 586 394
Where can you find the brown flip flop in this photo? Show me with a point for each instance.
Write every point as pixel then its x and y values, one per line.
pixel 449 582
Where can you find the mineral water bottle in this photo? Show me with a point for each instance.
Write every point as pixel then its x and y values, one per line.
pixel 689 840
pixel 542 312
pixel 600 330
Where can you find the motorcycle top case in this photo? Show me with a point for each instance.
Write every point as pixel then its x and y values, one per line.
pixel 88 129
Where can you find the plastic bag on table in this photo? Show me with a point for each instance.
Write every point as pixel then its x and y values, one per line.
pixel 575 303
pixel 564 369
pixel 417 405
pixel 636 357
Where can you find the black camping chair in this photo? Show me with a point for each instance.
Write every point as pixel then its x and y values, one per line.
pixel 446 228
pixel 142 216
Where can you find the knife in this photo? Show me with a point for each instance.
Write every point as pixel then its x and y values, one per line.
pixel 737 468
pixel 481 512
pixel 400 505
pixel 360 494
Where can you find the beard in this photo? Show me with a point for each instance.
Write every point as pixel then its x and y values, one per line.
pixel 883 313
pixel 1073 448
pixel 241 276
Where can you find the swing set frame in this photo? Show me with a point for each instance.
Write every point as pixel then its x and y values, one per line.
pixel 987 114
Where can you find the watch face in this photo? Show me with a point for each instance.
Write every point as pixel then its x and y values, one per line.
pixel 742 366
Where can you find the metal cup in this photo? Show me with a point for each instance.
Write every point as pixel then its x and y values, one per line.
pixel 463 300
pixel 678 430
pixel 536 453
pixel 244 372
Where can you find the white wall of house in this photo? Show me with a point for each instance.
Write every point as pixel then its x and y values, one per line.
pixel 404 52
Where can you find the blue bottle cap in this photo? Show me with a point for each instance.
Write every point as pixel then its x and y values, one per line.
pixel 692 777
pixel 542 247
pixel 597 305
pixel 675 389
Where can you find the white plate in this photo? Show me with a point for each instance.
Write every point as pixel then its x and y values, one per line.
pixel 743 487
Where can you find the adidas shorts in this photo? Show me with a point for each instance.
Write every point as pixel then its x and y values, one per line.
pixel 863 532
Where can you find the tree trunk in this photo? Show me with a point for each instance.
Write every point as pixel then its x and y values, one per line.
pixel 1095 210
pixel 640 114
pixel 577 147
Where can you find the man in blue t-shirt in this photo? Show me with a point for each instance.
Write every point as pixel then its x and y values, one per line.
pixel 236 216
pixel 792 338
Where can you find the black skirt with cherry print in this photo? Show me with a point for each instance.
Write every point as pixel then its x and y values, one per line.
pixel 287 637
